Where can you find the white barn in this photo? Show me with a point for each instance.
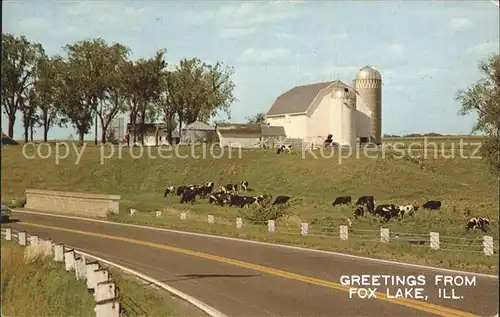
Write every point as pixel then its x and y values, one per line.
pixel 312 112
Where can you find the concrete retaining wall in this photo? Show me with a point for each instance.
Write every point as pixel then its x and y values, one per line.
pixel 80 204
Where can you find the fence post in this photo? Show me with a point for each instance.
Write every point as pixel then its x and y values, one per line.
pixel 80 268
pixel 47 247
pixel 21 237
pixel 8 234
pixel 211 219
pixel 384 235
pixel 158 213
pixel 59 252
pixel 100 275
pixel 434 240
pixel 105 291
pixel 344 235
pixel 271 226
pixel 107 309
pixel 90 269
pixel 239 222
pixel 183 216
pixel 69 259
pixel 304 228
pixel 488 245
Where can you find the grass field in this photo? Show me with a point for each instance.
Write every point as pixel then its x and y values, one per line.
pixel 43 288
pixel 465 185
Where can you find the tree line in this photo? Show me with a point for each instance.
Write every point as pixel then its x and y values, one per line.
pixel 94 81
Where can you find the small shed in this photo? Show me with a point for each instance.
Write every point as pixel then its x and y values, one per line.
pixel 239 135
pixel 198 132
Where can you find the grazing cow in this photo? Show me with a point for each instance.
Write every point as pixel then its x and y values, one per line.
pixel 181 189
pixel 206 190
pixel 478 223
pixel 343 200
pixel 169 190
pixel 369 201
pixel 432 204
pixel 188 195
pixel 281 200
pixel 359 212
pixel 284 148
pixel 231 187
pixel 217 198
pixel 408 209
pixel 363 200
pixel 242 201
pixel 387 211
pixel 244 185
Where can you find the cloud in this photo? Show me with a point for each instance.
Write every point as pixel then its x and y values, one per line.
pixel 459 23
pixel 263 56
pixel 484 48
pixel 236 32
pixel 248 14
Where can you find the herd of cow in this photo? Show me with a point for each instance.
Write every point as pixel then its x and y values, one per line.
pixel 228 196
pixel 389 211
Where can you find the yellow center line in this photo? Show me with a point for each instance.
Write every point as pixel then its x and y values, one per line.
pixel 420 305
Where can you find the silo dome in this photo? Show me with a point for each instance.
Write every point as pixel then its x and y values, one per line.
pixel 368 72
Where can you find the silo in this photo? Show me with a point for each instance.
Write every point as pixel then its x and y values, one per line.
pixel 346 100
pixel 368 83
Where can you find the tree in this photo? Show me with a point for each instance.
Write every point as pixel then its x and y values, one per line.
pixel 48 74
pixel 19 58
pixel 112 102
pixel 198 91
pixel 144 79
pixel 484 98
pixel 258 118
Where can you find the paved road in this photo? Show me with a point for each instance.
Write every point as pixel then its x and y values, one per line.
pixel 244 279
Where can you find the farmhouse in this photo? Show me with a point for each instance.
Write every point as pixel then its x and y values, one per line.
pixel 249 135
pixel 350 114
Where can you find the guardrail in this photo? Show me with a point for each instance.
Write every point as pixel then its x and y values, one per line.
pixel 99 279
pixel 433 240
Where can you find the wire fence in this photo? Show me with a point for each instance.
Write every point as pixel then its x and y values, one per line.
pixel 481 245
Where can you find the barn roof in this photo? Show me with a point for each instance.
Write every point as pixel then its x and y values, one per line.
pixel 200 126
pixel 7 140
pixel 299 98
pixel 273 131
pixel 239 128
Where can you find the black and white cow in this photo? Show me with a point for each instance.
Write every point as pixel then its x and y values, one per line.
pixel 284 148
pixel 244 185
pixel 169 190
pixel 478 223
pixel 231 187
pixel 432 205
pixel 188 195
pixel 407 210
pixel 343 200
pixel 363 200
pixel 387 211
pixel 281 200
pixel 218 198
pixel 206 189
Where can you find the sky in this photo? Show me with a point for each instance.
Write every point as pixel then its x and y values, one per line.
pixel 425 50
